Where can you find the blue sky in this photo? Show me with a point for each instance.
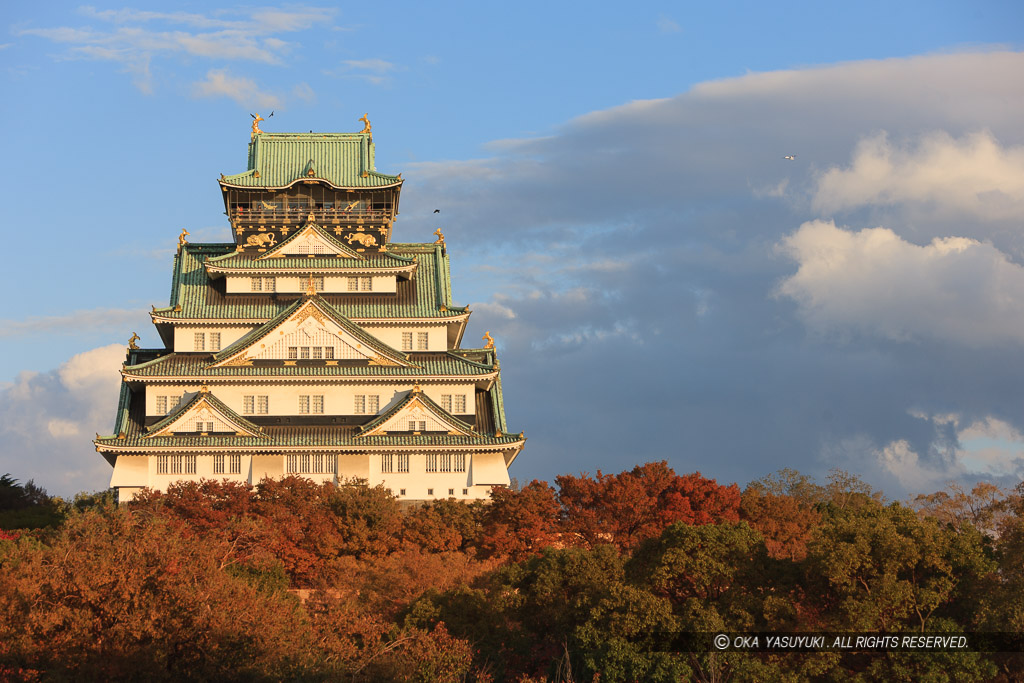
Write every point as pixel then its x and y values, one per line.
pixel 661 282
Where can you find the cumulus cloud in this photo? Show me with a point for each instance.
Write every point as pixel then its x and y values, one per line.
pixel 48 419
pixel 244 91
pixel 971 175
pixel 873 281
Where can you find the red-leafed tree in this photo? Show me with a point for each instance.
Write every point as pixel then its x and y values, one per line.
pixel 626 508
pixel 518 524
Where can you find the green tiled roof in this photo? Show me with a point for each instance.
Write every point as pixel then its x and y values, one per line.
pixel 427 295
pixel 344 160
pixel 197 365
pixel 309 437
pixel 315 300
pixel 245 262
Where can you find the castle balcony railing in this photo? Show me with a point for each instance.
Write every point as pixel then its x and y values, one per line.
pixel 298 214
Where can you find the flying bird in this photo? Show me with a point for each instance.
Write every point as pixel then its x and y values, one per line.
pixel 437 210
pixel 791 157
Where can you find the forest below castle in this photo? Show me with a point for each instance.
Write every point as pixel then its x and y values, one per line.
pixel 586 580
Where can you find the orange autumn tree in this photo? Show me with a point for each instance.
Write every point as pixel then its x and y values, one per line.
pixel 625 508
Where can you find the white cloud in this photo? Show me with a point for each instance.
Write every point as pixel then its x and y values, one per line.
pixel 92 319
pixel 47 421
pixel 244 91
pixel 372 70
pixel 972 175
pixel 872 281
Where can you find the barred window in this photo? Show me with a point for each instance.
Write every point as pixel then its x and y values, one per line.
pixel 353 284
pixel 218 464
pixel 373 404
pixel 403 463
pixel 204 426
pixel 172 403
pixel 360 404
pixel 460 404
pixel 451 492
pixel 262 405
pixel 256 284
pixel 328 352
pixel 199 341
pixel 190 464
pixel 432 463
pixel 407 341
pixel 365 284
pixel 446 463
pixel 318 284
pixel 420 426
pixel 421 341
pixel 387 463
pixel 248 405
pixel 304 352
pixel 318 404
pixel 293 352
pixel 162 462
pixel 430 492
pixel 446 402
pixel 306 463
pixel 161 405
pixel 235 464
pixel 175 464
pixel 460 462
pixel 269 284
pixel 303 405
pixel 215 341
pixel 318 352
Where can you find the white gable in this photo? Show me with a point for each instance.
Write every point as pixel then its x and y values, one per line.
pixel 204 417
pixel 307 242
pixel 419 417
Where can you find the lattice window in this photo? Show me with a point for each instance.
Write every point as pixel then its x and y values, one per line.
pixel 318 352
pixel 190 464
pixel 256 284
pixel 235 464
pixel 373 404
pixel 318 404
pixel 303 405
pixel 248 405
pixel 417 426
pixel 353 284
pixel 262 405
pixel 199 341
pixel 359 406
pixel 460 404
pixel 421 341
pixel 460 462
pixel 387 463
pixel 446 463
pixel 403 463
pixel 163 464
pixel 432 463
pixel 218 464
pixel 304 352
pixel 407 341
pixel 446 402
pixel 329 352
pixel 293 352
pixel 269 284
pixel 365 284
pixel 215 341
pixel 161 405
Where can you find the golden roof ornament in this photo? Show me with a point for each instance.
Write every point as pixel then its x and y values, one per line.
pixel 440 236
pixel 203 389
pixel 131 342
pixel 310 219
pixel 367 128
pixel 256 118
pixel 489 339
pixel 181 238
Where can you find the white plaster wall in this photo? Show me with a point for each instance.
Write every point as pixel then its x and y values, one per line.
pixel 297 284
pixel 437 336
pixel 339 399
pixel 184 336
pixel 422 485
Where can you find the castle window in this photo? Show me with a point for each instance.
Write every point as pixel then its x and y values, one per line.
pixel 353 284
pixel 311 464
pixel 421 341
pixel 431 463
pixel 460 462
pixel 401 492
pixel 407 341
pixel 190 464
pixel 460 404
pixel 318 404
pixel 417 426
pixel 465 492
pixel 328 352
pixel 304 405
pixel 365 284
pixel 451 492
pixel 215 341
pixel 373 404
pixel 248 405
pixel 304 352
pixel 256 284
pixel 446 463
pixel 387 463
pixel 199 341
pixel 269 284
pixel 235 464
pixel 218 464
pixel 360 404
pixel 293 352
pixel 430 492
pixel 262 405
pixel 318 352
pixel 318 283
pixel 161 405
pixel 403 464
pixel 446 402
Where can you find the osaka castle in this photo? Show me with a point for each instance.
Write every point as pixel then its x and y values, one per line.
pixel 313 344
